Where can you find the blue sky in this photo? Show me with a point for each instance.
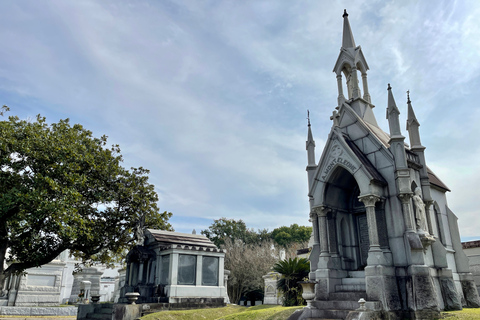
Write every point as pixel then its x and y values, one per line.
pixel 211 96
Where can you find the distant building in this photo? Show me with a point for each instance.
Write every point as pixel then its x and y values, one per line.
pixel 472 250
pixel 52 283
pixel 172 267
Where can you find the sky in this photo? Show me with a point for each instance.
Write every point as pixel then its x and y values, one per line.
pixel 212 96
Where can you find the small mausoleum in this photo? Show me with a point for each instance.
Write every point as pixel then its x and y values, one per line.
pixel 383 231
pixel 176 267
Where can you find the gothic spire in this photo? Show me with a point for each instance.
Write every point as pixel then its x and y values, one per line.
pixel 412 127
pixel 393 115
pixel 347 41
pixel 411 119
pixel 392 106
pixel 310 143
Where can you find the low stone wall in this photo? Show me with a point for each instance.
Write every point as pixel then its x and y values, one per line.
pixel 38 311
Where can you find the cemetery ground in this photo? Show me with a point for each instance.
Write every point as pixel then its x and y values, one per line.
pixel 269 312
pixel 234 312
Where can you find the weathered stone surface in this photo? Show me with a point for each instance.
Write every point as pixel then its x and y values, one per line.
pixel 450 296
pixel 321 289
pixel 421 294
pixel 39 311
pixel 126 311
pixel 470 293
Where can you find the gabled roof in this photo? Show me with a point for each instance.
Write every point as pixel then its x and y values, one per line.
pixel 186 239
pixel 365 162
pixel 432 177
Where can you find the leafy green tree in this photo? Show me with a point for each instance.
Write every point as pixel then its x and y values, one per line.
pixel 63 189
pixel 224 228
pixel 285 236
pixel 292 271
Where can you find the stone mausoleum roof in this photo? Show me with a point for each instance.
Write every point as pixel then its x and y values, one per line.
pixel 183 239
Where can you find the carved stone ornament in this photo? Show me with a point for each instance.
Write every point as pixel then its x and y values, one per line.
pixel 369 200
pixel 405 197
pixel 322 211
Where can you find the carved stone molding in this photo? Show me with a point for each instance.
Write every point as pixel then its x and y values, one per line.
pixel 369 200
pixel 405 197
pixel 322 211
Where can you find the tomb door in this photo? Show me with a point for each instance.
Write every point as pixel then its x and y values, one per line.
pixel 363 241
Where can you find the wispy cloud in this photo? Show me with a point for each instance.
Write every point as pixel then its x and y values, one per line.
pixel 212 96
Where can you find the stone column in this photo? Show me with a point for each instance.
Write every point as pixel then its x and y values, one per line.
pixel 341 97
pixel 323 232
pixel 355 88
pixel 428 205
pixel 332 239
pixel 140 271
pixel 316 242
pixel 366 94
pixel 375 254
pixel 324 259
pixel 407 211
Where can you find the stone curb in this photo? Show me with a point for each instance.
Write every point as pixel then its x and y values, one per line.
pixel 38 311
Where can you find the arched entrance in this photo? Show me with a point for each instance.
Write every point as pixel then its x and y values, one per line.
pixel 348 227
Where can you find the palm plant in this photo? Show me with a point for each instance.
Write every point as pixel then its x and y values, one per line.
pixel 292 271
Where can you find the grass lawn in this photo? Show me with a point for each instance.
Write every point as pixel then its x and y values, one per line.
pixel 466 313
pixel 267 312
pixel 231 312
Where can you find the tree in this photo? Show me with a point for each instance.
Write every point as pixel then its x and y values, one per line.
pixel 63 189
pixel 247 264
pixel 285 236
pixel 224 228
pixel 293 271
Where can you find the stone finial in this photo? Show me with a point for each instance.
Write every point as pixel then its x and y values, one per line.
pixel 345 14
pixel 362 302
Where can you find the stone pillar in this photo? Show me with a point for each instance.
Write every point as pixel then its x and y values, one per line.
pixel 314 254
pixel 332 239
pixel 428 205
pixel 140 271
pixel 375 254
pixel 341 97
pixel 356 90
pixel 366 94
pixel 226 273
pixel 174 268
pixel 323 232
pixel 407 211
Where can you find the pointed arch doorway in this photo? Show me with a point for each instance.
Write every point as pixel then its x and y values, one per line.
pixel 347 221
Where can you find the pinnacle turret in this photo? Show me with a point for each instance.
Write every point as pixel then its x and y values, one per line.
pixel 310 144
pixel 412 126
pixel 393 115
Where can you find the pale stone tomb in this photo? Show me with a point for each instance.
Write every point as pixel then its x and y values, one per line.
pixel 382 228
pixel 176 267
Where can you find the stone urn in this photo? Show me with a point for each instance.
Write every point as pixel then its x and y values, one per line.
pixel 308 291
pixel 132 297
pixel 95 299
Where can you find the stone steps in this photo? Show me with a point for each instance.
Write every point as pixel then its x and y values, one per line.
pixel 97 316
pixel 330 314
pixel 348 296
pixel 350 287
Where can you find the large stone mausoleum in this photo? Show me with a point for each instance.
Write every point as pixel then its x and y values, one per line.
pixel 382 227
